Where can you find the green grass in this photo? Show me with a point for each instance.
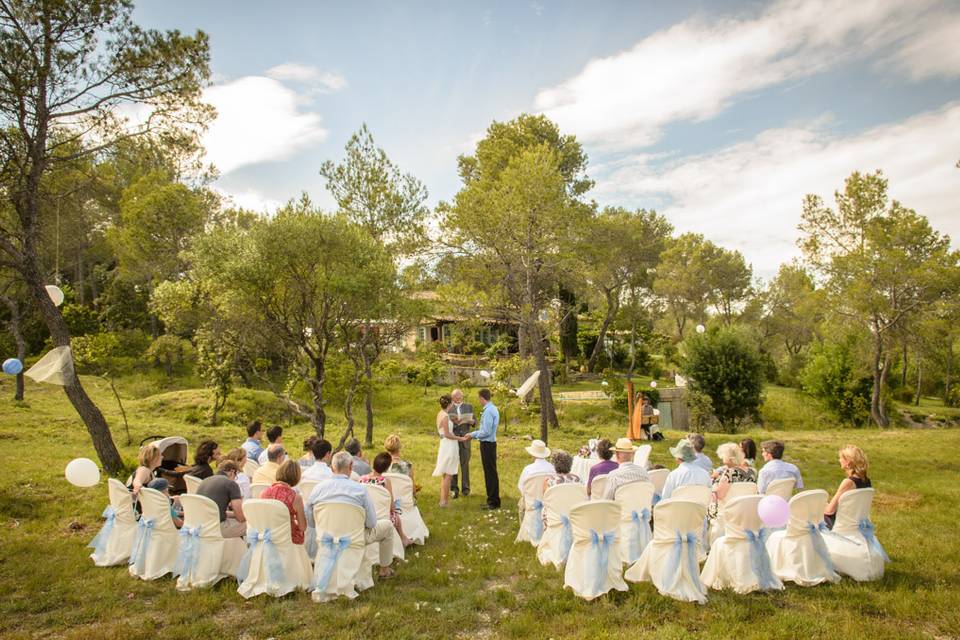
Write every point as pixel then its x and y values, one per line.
pixel 470 580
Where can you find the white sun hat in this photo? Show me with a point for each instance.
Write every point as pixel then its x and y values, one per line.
pixel 538 449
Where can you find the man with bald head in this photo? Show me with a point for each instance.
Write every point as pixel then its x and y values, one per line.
pixel 461 415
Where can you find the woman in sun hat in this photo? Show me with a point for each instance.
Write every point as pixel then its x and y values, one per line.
pixel 687 471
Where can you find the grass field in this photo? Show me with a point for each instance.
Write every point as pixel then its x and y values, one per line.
pixel 470 580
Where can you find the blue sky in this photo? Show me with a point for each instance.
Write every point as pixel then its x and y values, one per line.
pixel 722 115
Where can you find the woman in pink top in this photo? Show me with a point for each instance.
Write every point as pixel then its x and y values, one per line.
pixel 288 476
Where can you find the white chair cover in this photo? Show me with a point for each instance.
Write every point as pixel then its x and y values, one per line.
pixel 636 511
pixel 341 568
pixel 112 545
pixel 581 467
pixel 798 553
pixel 641 456
pixel 598 487
pixel 670 560
pixel 593 565
pixel 853 545
pixel 531 524
pixel 739 560
pixel 204 556
pixel 306 487
pixel 557 537
pixel 192 483
pixel 692 492
pixel 272 564
pixel 250 467
pixel 154 551
pixel 257 489
pixel 381 502
pixel 413 525
pixel 659 478
pixel 736 490
pixel 782 487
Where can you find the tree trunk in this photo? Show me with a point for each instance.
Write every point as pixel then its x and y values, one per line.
pixel 947 400
pixel 319 415
pixel 548 414
pixel 916 397
pixel 879 374
pixel 523 342
pixel 903 374
pixel 568 325
pixel 612 306
pixel 633 346
pixel 368 402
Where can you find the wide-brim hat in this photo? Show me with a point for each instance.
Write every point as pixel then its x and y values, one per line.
pixel 624 445
pixel 538 449
pixel 684 451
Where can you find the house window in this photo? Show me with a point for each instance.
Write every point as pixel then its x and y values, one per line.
pixel 422 334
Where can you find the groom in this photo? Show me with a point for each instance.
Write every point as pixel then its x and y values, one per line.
pixel 487 435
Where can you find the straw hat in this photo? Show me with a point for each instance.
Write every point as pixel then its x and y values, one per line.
pixel 624 446
pixel 684 451
pixel 538 449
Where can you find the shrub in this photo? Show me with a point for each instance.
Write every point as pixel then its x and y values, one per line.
pixel 93 352
pixel 80 320
pixel 831 377
pixel 171 352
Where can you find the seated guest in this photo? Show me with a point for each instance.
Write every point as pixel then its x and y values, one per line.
pixel 562 464
pixel 735 469
pixel 207 451
pixel 149 460
pixel 320 470
pixel 254 443
pixel 223 490
pixel 341 489
pixel 288 476
pixel 307 459
pixel 605 466
pixel 399 465
pixel 267 473
pixel 749 448
pixel 238 457
pixel 853 461
pixel 361 466
pixel 540 465
pixel 381 464
pixel 626 471
pixel 703 460
pixel 274 436
pixel 775 468
pixel 688 472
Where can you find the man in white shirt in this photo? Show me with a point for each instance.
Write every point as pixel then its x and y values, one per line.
pixel 703 460
pixel 320 469
pixel 274 436
pixel 626 471
pixel 775 468
pixel 688 472
pixel 539 467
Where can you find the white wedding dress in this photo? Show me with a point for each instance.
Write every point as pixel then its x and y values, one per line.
pixel 448 455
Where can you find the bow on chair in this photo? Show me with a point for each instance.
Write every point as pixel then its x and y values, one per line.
pixel 819 545
pixel 693 567
pixel 600 548
pixel 142 543
pixel 334 548
pixel 639 534
pixel 537 523
pixel 275 570
pixel 396 505
pixel 867 531
pixel 99 543
pixel 310 541
pixel 656 498
pixel 189 552
pixel 566 537
pixel 759 560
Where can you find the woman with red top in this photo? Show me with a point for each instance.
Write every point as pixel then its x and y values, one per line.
pixel 380 465
pixel 288 476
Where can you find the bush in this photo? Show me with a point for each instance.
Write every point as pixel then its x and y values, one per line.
pixel 80 320
pixel 170 352
pixel 830 376
pixel 700 411
pixel 92 353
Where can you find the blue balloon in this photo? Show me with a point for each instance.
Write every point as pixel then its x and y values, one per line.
pixel 12 366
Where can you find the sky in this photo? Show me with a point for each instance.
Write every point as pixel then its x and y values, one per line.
pixel 720 115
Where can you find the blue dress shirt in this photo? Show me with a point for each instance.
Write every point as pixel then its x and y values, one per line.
pixel 253 449
pixel 685 473
pixel 489 421
pixel 342 489
pixel 775 470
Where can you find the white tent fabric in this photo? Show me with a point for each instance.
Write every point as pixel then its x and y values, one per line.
pixel 341 568
pixel 636 510
pixel 739 560
pixel 598 487
pixel 641 457
pixel 557 536
pixel 799 553
pixel 782 487
pixel 531 521
pixel 55 367
pixel 204 556
pixel 381 502
pixel 670 560
pixel 593 566
pixel 528 385
pixel 854 547
pixel 413 525
pixel 272 564
pixel 112 545
pixel 154 551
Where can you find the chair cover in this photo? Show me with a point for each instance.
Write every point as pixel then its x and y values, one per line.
pixel 581 467
pixel 641 457
pixel 413 525
pixel 659 478
pixel 558 535
pixel 531 524
pixel 798 553
pixel 670 560
pixel 739 560
pixel 782 487
pixel 853 545
pixel 593 565
pixel 381 502
pixel 306 487
pixel 154 551
pixel 272 564
pixel 736 490
pixel 204 556
pixel 192 483
pixel 257 489
pixel 112 545
pixel 692 492
pixel 341 567
pixel 250 467
pixel 598 487
pixel 636 510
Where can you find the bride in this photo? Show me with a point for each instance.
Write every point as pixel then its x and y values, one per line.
pixel 448 455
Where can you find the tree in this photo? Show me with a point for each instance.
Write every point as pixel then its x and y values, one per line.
pixel 729 279
pixel 681 280
pixel 66 66
pixel 881 263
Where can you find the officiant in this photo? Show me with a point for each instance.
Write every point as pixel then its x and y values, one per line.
pixel 461 415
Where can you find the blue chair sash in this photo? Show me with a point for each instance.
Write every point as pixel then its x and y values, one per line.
pixel 656 499
pixel 141 543
pixel 310 541
pixel 537 524
pixel 333 549
pixel 188 553
pixel 275 571
pixel 639 534
pixel 566 537
pixel 819 545
pixel 600 565
pixel 760 559
pixel 867 530
pixel 677 556
pixel 99 543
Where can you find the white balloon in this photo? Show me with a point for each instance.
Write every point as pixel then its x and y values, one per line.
pixel 485 374
pixel 701 328
pixel 653 383
pixel 55 293
pixel 82 472
pixel 605 383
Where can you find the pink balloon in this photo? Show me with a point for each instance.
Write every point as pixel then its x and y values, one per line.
pixel 774 511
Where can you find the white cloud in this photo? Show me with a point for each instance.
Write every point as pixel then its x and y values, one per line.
pixel 695 69
pixel 749 196
pixel 250 199
pixel 258 120
pixel 319 81
pixel 933 51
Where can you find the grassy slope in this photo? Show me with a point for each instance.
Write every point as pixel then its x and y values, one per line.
pixel 470 579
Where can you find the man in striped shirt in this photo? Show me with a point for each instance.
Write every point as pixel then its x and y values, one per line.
pixel 626 472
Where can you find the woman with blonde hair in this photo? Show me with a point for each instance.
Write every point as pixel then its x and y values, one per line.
pixel 239 457
pixel 734 469
pixel 854 463
pixel 149 460
pixel 288 476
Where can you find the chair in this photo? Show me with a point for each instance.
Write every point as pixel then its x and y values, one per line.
pixel 154 551
pixel 598 487
pixel 204 556
pixel 736 490
pixel 341 568
pixel 192 483
pixel 257 489
pixel 798 553
pixel 531 522
pixel 641 456
pixel 250 467
pixel 692 492
pixel 557 537
pixel 739 560
pixel 413 525
pixel 853 545
pixel 782 487
pixel 112 544
pixel 306 487
pixel 659 478
pixel 670 560
pixel 272 564
pixel 593 565
pixel 636 508
pixel 381 502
